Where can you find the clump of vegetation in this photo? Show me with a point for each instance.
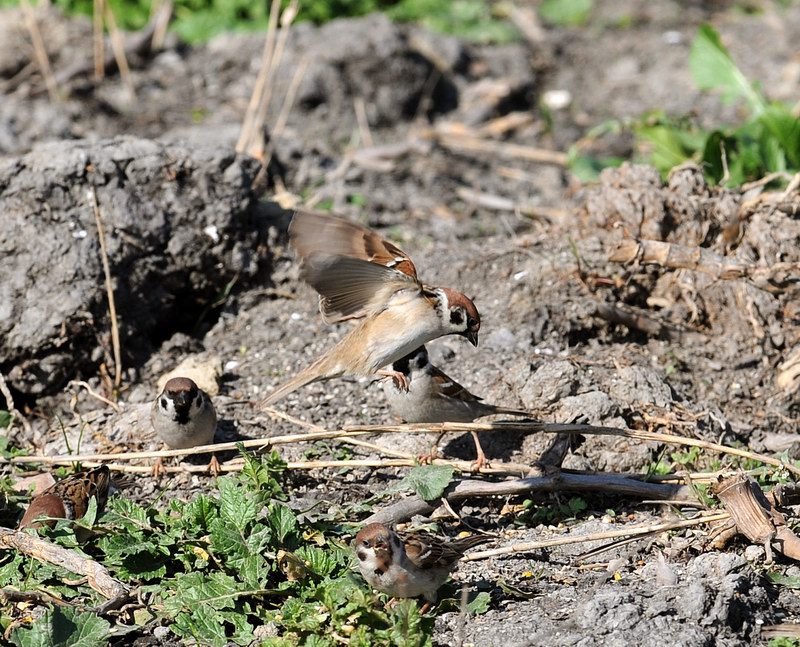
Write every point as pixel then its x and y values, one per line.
pixel 767 142
pixel 229 568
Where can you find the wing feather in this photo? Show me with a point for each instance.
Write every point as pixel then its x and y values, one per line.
pixel 350 287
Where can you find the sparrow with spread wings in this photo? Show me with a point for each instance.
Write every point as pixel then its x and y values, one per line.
pixel 361 276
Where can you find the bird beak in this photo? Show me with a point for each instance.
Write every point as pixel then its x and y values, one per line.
pixel 472 337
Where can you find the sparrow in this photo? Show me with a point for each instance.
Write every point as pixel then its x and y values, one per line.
pixel 433 396
pixel 183 416
pixel 408 565
pixel 359 275
pixel 69 498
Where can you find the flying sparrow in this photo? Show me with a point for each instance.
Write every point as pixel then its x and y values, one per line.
pixel 361 276
pixel 183 416
pixel 69 498
pixel 432 396
pixel 408 565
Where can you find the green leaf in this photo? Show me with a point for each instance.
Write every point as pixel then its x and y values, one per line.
pixel 713 68
pixel 785 128
pixel 789 581
pixel 407 628
pixel 480 603
pixel 566 12
pixel 429 481
pixel 320 561
pixel 5 418
pixel 63 627
pixel 283 522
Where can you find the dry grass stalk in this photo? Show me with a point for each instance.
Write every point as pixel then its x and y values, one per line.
pixel 364 133
pixel 98 40
pixel 118 47
pixel 288 100
pixel 97 576
pixel 465 143
pixel 39 51
pixel 256 145
pixel 112 308
pixel 94 394
pixel 649 529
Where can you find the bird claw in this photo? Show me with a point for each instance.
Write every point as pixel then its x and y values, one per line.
pixel 400 380
pixel 214 467
pixel 158 469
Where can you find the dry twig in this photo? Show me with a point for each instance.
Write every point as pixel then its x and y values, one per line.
pixel 648 529
pixel 10 405
pixel 39 51
pixel 112 308
pixel 96 574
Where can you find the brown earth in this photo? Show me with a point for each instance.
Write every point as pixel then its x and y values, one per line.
pixel 709 358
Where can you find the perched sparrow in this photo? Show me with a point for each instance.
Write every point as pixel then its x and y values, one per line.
pixel 361 276
pixel 183 416
pixel 69 498
pixel 432 396
pixel 409 565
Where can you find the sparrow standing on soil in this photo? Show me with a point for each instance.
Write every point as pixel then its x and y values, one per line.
pixel 183 416
pixel 69 498
pixel 408 565
pixel 432 396
pixel 361 276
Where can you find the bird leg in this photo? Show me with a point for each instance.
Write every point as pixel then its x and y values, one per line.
pixel 427 459
pixel 213 466
pixel 480 461
pixel 399 379
pixel 158 468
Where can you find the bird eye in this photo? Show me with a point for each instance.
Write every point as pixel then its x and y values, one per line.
pixel 365 543
pixel 471 322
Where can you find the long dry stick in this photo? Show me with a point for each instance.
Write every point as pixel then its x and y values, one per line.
pixel 558 428
pixel 555 482
pixel 40 51
pixel 597 536
pixel 96 574
pixel 112 308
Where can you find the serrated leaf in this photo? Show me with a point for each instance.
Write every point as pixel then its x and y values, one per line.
pixel 237 506
pixel 194 590
pixel 429 481
pixel 407 628
pixel 320 561
pixel 785 128
pixel 480 603
pixel 283 522
pixel 63 627
pixel 713 68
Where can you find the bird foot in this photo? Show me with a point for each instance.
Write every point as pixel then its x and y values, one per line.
pixel 399 379
pixel 214 467
pixel 158 469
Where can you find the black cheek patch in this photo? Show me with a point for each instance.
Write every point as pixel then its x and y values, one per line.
pixel 362 555
pixel 164 403
pixel 456 317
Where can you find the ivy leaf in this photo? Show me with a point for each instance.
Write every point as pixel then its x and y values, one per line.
pixel 63 627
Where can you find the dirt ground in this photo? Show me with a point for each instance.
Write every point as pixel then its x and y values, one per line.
pixel 711 357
